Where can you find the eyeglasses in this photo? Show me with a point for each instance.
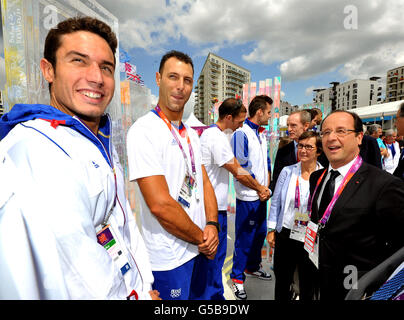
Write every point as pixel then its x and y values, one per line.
pixel 339 132
pixel 305 146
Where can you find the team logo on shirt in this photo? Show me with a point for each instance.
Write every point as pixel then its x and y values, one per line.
pixel 173 142
pixel 175 293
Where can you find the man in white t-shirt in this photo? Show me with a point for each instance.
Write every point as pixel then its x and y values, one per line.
pixel 219 160
pixel 178 204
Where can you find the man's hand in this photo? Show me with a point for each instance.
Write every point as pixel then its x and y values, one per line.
pixel 210 242
pixel 155 295
pixel 271 239
pixel 264 193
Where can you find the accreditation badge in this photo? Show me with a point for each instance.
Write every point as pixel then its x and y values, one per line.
pixel 185 195
pixel 298 230
pixel 106 238
pixel 311 242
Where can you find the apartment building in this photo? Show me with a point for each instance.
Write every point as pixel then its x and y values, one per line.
pixel 351 94
pixel 395 84
pixel 219 79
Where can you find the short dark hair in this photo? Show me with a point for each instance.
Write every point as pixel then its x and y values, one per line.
pixel 52 42
pixel 358 125
pixel 231 106
pixel 313 113
pixel 401 108
pixel 259 102
pixel 178 55
pixel 71 25
pixel 312 134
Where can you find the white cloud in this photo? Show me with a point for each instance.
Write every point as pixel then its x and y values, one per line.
pixel 304 39
pixel 309 91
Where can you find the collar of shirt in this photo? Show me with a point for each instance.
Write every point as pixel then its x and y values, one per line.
pixel 251 124
pixel 342 170
pixel 338 180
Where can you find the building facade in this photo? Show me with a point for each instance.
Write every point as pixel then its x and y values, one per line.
pixel 219 79
pixel 395 84
pixel 351 94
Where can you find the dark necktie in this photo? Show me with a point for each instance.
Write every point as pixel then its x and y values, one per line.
pixel 328 193
pixel 390 288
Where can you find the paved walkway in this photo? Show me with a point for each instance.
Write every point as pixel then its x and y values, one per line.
pixel 256 289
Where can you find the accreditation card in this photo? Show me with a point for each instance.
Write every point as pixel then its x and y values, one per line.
pixel 105 237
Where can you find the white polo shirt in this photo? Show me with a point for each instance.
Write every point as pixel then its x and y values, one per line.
pixel 152 150
pixel 216 151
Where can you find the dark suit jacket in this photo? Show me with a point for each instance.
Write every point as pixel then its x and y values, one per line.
pixel 284 157
pixel 399 172
pixel 370 151
pixel 364 228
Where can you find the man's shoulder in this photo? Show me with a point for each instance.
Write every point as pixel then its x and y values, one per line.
pixel 149 123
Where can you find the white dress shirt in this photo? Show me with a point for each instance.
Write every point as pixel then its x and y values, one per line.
pixel 338 180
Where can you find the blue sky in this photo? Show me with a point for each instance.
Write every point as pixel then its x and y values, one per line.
pixel 308 43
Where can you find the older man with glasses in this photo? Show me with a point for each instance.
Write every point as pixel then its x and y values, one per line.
pixel 357 210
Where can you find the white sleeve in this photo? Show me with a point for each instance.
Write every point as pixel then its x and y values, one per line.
pixel 49 222
pixel 144 158
pixel 216 149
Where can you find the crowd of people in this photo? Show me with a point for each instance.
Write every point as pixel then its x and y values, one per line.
pixel 67 230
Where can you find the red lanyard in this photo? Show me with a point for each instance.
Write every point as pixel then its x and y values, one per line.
pixel 352 170
pixel 170 127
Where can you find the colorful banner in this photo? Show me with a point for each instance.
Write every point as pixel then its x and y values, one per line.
pixel 245 95
pixel 253 90
pixel 268 87
pixel 261 87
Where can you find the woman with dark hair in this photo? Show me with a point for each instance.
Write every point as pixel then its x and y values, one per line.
pixel 288 218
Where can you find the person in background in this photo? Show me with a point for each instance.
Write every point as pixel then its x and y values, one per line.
pixel 219 161
pixel 249 145
pixel 298 122
pixel 399 172
pixel 393 149
pixel 375 131
pixel 288 218
pixel 316 117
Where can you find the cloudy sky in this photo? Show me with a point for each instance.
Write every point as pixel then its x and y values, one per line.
pixel 309 43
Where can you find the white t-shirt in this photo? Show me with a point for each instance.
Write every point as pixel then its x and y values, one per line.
pixel 216 151
pixel 153 150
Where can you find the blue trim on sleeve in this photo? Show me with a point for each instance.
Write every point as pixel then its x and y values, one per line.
pixel 25 126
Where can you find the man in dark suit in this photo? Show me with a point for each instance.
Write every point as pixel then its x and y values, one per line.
pixel 370 151
pixel 399 172
pixel 364 226
pixel 298 122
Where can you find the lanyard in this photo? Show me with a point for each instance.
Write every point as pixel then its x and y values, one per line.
pixel 108 215
pixel 352 170
pixel 170 127
pixel 297 194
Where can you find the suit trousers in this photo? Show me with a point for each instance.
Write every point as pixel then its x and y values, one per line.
pixel 288 255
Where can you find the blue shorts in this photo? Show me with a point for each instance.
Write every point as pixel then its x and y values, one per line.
pixel 186 282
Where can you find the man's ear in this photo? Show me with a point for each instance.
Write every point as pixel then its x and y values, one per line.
pixel 47 70
pixel 158 78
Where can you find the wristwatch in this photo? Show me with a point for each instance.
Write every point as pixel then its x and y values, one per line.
pixel 214 223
